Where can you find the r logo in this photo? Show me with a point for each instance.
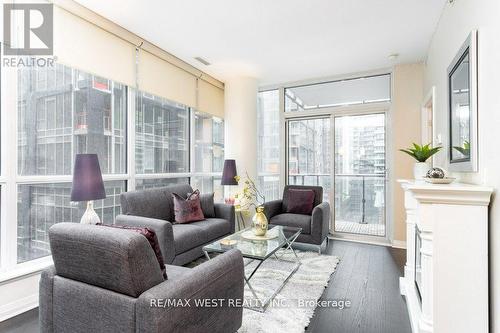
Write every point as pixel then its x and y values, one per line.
pixel 28 29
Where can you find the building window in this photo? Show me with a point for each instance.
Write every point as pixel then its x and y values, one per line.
pixel 47 140
pixel 208 184
pixel 309 152
pixel 142 184
pixel 42 205
pixel 61 112
pixel 208 154
pixel 268 144
pixel 161 135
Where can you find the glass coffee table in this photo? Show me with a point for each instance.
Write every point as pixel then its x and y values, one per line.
pixel 260 250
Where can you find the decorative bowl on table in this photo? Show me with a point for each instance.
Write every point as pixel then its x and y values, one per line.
pixel 435 173
pixel 228 242
pixel 445 180
pixel 437 176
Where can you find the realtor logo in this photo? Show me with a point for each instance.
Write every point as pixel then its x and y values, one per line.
pixel 28 29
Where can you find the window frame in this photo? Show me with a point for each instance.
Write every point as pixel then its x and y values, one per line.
pixel 260 148
pixel 363 103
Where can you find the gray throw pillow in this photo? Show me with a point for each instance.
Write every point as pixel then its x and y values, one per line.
pixel 207 204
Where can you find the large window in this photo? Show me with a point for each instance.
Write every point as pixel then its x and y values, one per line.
pixel 143 184
pixel 41 206
pixel 268 144
pixel 62 112
pixel 208 153
pixel 161 135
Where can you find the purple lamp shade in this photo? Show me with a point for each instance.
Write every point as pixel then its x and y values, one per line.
pixel 229 173
pixel 87 179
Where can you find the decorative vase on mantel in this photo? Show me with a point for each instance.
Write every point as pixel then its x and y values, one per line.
pixel 259 222
pixel 420 170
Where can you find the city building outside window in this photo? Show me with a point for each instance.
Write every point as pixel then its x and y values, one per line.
pixel 208 154
pixel 268 144
pixel 62 112
pixel 161 135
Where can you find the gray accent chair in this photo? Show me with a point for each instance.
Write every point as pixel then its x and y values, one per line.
pixel 109 280
pixel 315 227
pixel 179 243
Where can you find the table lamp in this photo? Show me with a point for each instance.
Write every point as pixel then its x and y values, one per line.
pixel 87 185
pixel 229 176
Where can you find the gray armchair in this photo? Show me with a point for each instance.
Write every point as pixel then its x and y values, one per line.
pixel 315 227
pixel 109 280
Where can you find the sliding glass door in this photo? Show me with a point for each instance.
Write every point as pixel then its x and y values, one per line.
pixel 360 174
pixel 353 180
pixel 309 153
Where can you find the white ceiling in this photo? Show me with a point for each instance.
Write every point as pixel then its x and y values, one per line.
pixel 281 40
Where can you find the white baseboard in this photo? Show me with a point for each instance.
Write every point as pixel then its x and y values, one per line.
pixel 398 244
pixel 18 306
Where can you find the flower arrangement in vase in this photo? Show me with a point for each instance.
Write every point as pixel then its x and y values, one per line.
pixel 249 197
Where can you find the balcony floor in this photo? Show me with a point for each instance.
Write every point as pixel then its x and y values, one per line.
pixel 360 228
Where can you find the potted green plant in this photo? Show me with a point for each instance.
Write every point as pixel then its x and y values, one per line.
pixel 421 154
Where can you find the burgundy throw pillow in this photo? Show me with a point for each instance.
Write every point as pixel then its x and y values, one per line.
pixel 152 239
pixel 189 209
pixel 300 201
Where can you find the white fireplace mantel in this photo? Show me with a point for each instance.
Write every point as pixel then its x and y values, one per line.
pixel 453 224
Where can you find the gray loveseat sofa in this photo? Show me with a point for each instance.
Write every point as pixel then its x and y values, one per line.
pixel 179 243
pixel 109 280
pixel 315 227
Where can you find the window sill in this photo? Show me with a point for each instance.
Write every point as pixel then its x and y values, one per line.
pixel 25 270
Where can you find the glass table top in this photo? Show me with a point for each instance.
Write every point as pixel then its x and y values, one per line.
pixel 256 249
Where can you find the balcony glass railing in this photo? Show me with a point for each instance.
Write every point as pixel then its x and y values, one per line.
pixel 359 200
pixel 313 179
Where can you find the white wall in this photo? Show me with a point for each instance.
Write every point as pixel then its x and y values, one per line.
pixel 241 124
pixel 18 295
pixel 457 21
pixel 404 123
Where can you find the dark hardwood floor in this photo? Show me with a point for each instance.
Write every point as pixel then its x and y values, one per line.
pixel 367 276
pixel 24 323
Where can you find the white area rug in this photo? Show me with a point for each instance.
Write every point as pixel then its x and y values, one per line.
pixel 287 313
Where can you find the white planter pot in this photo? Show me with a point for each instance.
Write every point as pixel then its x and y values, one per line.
pixel 420 169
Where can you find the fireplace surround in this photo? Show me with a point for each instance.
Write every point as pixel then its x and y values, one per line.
pixel 451 224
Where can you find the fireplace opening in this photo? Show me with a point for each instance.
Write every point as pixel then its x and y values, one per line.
pixel 418 262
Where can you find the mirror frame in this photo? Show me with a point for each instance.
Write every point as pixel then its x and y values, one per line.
pixel 466 164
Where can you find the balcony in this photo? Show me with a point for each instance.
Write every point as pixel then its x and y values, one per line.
pixel 359 203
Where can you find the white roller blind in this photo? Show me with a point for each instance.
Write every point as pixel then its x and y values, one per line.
pixel 210 99
pixel 161 78
pixel 87 41
pixel 83 45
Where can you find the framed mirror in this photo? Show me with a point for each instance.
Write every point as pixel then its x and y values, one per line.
pixel 462 106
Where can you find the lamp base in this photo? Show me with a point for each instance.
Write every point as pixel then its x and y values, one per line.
pixel 90 216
